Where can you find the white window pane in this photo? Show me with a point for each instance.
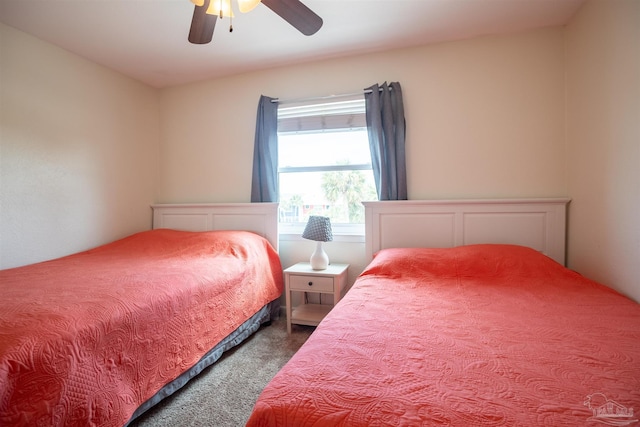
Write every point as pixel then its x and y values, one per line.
pixel 316 145
pixel 323 149
pixel 337 195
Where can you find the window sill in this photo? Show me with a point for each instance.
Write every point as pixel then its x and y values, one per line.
pixel 341 232
pixel 345 238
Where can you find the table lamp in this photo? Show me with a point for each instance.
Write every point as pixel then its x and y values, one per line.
pixel 319 229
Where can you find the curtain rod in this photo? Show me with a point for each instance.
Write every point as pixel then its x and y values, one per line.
pixel 321 98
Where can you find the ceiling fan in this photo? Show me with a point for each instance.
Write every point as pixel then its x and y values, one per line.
pixel 206 13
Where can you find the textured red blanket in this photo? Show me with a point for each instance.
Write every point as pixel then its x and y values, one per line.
pixel 485 335
pixel 85 339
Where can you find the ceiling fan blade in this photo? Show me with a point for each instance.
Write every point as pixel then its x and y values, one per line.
pixel 202 25
pixel 297 14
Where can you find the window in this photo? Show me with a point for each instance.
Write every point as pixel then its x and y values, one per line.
pixel 324 165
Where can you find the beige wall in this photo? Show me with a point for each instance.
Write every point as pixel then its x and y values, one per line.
pixel 603 143
pixel 485 118
pixel 78 152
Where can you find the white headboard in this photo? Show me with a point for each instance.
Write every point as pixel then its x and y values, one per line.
pixel 260 218
pixel 536 223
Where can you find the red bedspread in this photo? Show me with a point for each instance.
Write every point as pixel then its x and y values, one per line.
pixel 86 339
pixel 485 335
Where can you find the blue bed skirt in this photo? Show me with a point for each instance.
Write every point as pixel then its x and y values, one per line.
pixel 244 331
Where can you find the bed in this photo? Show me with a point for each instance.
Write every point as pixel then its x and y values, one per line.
pixel 98 337
pixel 485 329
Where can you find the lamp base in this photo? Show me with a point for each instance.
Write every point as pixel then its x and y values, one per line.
pixel 319 259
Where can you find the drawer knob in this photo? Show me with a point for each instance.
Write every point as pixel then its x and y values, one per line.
pixel 310 283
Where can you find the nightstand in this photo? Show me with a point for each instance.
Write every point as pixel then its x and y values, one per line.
pixel 301 278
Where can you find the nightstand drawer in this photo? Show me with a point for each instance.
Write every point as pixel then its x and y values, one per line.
pixel 311 283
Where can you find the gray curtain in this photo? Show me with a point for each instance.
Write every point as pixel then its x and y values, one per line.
pixel 264 184
pixel 386 127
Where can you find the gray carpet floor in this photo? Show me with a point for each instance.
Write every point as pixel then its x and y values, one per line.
pixel 223 395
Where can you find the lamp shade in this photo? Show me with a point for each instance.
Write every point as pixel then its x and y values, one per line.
pixel 318 228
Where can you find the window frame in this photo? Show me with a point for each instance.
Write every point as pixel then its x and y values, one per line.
pixel 350 232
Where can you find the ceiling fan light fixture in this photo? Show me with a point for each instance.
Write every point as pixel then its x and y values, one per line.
pixel 247 5
pixel 206 13
pixel 222 8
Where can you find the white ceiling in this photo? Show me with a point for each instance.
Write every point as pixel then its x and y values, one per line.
pixel 147 39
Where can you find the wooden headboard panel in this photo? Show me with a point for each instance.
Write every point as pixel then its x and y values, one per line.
pixel 260 218
pixel 536 223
